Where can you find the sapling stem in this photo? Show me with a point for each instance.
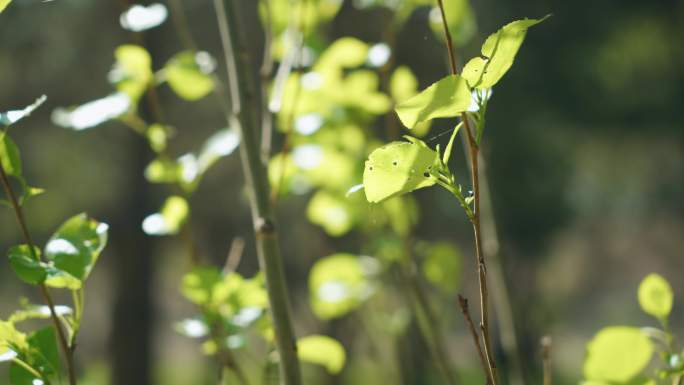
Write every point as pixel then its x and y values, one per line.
pixel 546 359
pixel 473 154
pixel 67 351
pixel 244 102
pixel 463 304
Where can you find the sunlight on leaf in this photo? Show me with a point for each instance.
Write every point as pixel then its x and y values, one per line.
pixel 332 212
pixel 4 4
pixel 398 168
pixel 498 53
pixel 187 78
pixel 9 156
pixel 617 354
pixel 655 296
pixel 76 245
pixel 169 219
pixel 139 18
pixel 447 97
pixel 322 350
pixel 92 113
pixel 11 339
pixel 132 71
pixel 339 283
pixel 347 52
pixel 10 117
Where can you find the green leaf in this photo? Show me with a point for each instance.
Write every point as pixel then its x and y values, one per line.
pixel 162 170
pixel 617 354
pixel 322 350
pixel 442 265
pixel 43 351
pixel 446 98
pixel 339 283
pixel 25 265
pixel 10 117
pixel 9 156
pixel 76 245
pixel 187 78
pixel 133 70
pixel 198 285
pixel 62 280
pixel 332 212
pixel 170 219
pixel 398 168
pixel 20 376
pixel 498 53
pixel 4 4
pixel 460 20
pixel 403 84
pixel 655 296
pixel 347 52
pixel 157 136
pixel 11 339
pixel 450 145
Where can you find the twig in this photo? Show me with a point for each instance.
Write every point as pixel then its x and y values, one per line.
pixel 546 358
pixel 244 102
pixel 61 336
pixel 473 153
pixel 234 255
pixel 463 303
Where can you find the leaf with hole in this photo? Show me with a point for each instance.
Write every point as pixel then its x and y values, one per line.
pixel 447 97
pixel 398 168
pixel 498 53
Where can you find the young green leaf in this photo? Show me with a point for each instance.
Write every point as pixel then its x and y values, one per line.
pixel 25 265
pixel 498 53
pixel 450 145
pixel 43 351
pixel 398 168
pixel 133 70
pixel 332 212
pixel 11 339
pixel 9 156
pixel 617 355
pixel 187 78
pixel 4 4
pixel 446 98
pixel 76 245
pixel 198 285
pixel 655 296
pixel 322 350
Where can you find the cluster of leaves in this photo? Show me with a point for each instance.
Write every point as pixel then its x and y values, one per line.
pixel 401 167
pixel 65 262
pixel 622 354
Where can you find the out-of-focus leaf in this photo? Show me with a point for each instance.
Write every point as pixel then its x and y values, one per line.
pixel 169 219
pixel 198 285
pixel 132 71
pixel 398 168
pixel 332 212
pixel 447 97
pixel 186 78
pixel 655 296
pixel 157 136
pixel 10 117
pixel 442 265
pixel 162 170
pixel 4 4
pixel 339 283
pixel 62 280
pixel 76 245
pixel 460 19
pixel 322 350
pixel 346 52
pixel 38 312
pixel 9 156
pixel 43 351
pixel 140 18
pixel 403 84
pixel 617 355
pixel 26 266
pixel 498 53
pixel 92 113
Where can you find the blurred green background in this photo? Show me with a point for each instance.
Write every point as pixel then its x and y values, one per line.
pixel 585 154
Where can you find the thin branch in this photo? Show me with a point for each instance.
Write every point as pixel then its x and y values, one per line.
pixel 546 358
pixel 245 103
pixel 21 220
pixel 473 153
pixel 463 303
